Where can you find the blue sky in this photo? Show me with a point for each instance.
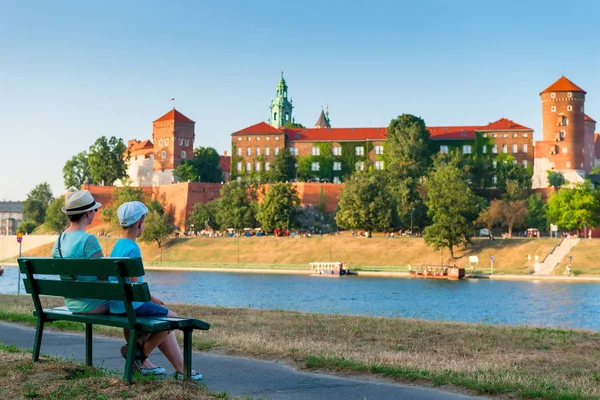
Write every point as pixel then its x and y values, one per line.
pixel 72 71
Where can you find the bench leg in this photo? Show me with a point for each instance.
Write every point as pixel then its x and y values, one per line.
pixel 37 343
pixel 131 351
pixel 187 353
pixel 88 344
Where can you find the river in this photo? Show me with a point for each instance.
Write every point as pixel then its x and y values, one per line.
pixel 533 303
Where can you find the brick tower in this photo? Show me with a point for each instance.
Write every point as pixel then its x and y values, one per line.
pixel 173 137
pixel 563 144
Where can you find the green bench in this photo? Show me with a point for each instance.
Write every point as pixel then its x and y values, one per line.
pixel 41 278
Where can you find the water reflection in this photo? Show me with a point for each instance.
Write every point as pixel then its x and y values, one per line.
pixel 539 303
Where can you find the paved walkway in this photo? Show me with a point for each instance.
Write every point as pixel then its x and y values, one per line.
pixel 556 256
pixel 240 377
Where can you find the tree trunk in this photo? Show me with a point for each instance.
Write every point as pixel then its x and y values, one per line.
pixel 451 248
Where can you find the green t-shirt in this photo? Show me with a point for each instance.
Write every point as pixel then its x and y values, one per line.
pixel 78 244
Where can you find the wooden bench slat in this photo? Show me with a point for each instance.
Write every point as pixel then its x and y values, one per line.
pixel 82 266
pixel 148 324
pixel 100 290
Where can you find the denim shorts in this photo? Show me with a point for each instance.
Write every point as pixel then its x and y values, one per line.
pixel 149 308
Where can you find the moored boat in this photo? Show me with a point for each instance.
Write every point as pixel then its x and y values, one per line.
pixel 438 272
pixel 330 268
pixel 1 270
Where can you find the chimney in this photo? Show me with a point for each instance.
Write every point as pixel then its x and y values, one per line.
pixel 225 153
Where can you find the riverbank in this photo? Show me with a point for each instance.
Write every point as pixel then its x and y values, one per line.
pixel 493 360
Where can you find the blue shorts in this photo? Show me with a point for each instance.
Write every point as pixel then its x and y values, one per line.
pixel 150 308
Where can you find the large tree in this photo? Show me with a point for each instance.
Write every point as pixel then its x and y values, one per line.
pixel 555 179
pixel 407 149
pixel 37 202
pixel 365 203
pixel 537 212
pixel 204 167
pixel 575 208
pixel 278 208
pixel 235 208
pixel 55 219
pixel 157 228
pixel 108 161
pixel 283 167
pixel 508 170
pixel 452 208
pixel 76 171
pixel 203 216
pixel 119 196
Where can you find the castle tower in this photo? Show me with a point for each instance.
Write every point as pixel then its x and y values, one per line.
pixel 563 144
pixel 281 107
pixel 173 136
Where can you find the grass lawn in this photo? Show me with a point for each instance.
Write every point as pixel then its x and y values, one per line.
pixel 585 259
pixel 522 362
pixel 376 254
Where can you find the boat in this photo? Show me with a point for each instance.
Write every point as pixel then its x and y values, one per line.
pixel 1 270
pixel 330 268
pixel 451 272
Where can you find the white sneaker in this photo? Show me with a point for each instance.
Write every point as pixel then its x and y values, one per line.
pixel 196 376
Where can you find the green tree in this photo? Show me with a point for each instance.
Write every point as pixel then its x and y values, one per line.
pixel 203 216
pixel 305 172
pixel 507 170
pixel 555 179
pixel 76 171
pixel 107 161
pixel 235 208
pixel 292 124
pixel 408 153
pixel 26 227
pixel 595 170
pixel 452 208
pixel 204 167
pixel 278 208
pixel 575 208
pixel 365 203
pixel 537 212
pixel 55 219
pixel 37 202
pixel 283 167
pixel 157 228
pixel 119 196
pixel 490 216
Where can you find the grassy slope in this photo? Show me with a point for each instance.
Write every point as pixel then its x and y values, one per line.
pixel 378 253
pixel 585 259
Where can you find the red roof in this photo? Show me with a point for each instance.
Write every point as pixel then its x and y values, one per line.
pixel 140 145
pixel 504 124
pixel 563 85
pixel 452 132
pixel 174 115
pixel 587 118
pixel 336 134
pixel 261 127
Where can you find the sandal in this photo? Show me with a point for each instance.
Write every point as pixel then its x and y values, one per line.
pixel 196 376
pixel 137 364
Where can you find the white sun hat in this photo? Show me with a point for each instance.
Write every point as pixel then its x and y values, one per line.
pixel 79 202
pixel 131 212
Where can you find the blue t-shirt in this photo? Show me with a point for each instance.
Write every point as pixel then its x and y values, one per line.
pixel 78 244
pixel 124 248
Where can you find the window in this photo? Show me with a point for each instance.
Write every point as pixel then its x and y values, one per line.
pixel 514 162
pixel 524 148
pixel 287 117
pixel 268 138
pixel 276 151
pixel 181 142
pixel 378 149
pixel 267 166
pixel 495 149
pixel 267 151
pixel 553 108
pixel 238 166
pixel 239 139
pixel 166 142
pixel 444 149
pixel 484 149
pixel 315 151
pixel 484 135
pixel 378 164
pixel 564 150
pixel 515 148
pixel 569 108
pixel 314 166
pixel 337 151
pixel 276 137
pixel 160 142
pixel 294 151
pixel 562 134
pixel 569 95
pixel 359 166
pixel 248 151
pixel 258 151
pixel 495 179
pixel 505 135
pixel 495 135
pixel 239 151
pixel 359 150
pixel 505 148
pixel 187 142
pixel 257 167
pixel 183 154
pixel 258 138
pixel 248 167
pixel 524 163
pixel 274 117
pixel 494 163
pixel 525 135
pixel 248 138
pixel 553 95
pixel 163 154
pixel 337 166
pixel 466 149
pixel 336 179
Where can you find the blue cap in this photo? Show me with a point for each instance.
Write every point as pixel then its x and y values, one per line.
pixel 131 212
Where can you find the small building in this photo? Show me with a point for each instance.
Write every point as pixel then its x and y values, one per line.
pixel 11 215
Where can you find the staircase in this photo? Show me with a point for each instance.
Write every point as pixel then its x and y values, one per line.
pixel 557 255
